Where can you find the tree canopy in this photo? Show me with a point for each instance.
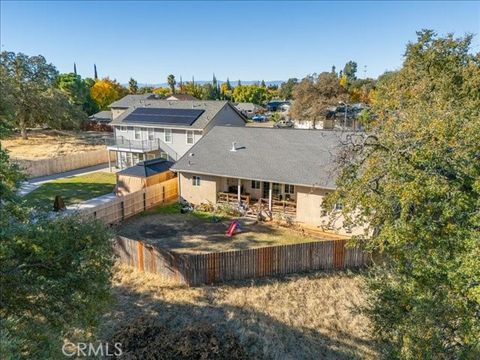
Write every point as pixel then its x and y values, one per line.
pixel 414 179
pixel 106 91
pixel 314 94
pixel 31 96
pixel 250 93
pixel 132 86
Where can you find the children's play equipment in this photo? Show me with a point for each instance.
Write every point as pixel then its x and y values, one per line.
pixel 234 225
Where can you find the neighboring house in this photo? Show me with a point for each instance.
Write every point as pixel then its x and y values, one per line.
pixel 249 109
pixel 275 105
pixel 336 117
pixel 143 174
pixel 181 97
pixel 284 171
pixel 149 128
pixel 102 117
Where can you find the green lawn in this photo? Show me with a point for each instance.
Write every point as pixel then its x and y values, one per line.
pixel 74 189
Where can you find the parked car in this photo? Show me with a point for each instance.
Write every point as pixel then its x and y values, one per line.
pixel 284 124
pixel 259 118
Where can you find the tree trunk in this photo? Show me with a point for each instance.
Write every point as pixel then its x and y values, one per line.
pixel 23 129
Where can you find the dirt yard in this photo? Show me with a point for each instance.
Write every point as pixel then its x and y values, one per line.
pixel 43 144
pixel 197 234
pixel 313 316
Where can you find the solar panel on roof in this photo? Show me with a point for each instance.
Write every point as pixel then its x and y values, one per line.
pixel 164 116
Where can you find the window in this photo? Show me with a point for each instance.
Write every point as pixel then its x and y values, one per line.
pixel 167 135
pixel 337 207
pixel 276 189
pixel 190 139
pixel 255 184
pixel 289 189
pixel 196 180
pixel 163 155
pixel 138 134
pixel 150 134
pixel 122 128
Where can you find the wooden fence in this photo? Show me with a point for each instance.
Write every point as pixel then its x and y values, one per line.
pixel 128 205
pixel 197 269
pixel 42 167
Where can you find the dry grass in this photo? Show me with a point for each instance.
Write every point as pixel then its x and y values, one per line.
pixel 49 143
pixel 192 233
pixel 304 316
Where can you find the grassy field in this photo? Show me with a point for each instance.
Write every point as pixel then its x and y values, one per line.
pixel 310 316
pixel 42 144
pixel 74 189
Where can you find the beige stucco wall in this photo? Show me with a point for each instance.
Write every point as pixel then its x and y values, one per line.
pixel 310 211
pixel 206 192
pixel 117 112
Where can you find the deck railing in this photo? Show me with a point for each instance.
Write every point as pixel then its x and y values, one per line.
pixel 278 206
pixel 121 143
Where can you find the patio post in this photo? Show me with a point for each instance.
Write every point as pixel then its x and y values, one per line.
pixel 109 162
pixel 270 197
pixel 239 191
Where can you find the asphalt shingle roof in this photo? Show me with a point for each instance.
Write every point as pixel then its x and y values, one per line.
pixel 211 109
pixel 103 115
pixel 147 168
pixel 131 100
pixel 291 156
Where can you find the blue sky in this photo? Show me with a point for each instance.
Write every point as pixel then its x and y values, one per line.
pixel 242 40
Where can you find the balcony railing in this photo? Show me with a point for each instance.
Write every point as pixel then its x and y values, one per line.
pixel 122 144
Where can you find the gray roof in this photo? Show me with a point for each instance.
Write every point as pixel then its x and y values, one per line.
pixel 245 106
pixel 131 100
pixel 181 97
pixel 147 168
pixel 290 156
pixel 211 107
pixel 105 115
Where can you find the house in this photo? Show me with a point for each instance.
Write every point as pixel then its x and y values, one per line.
pixel 181 97
pixel 143 174
pixel 146 127
pixel 249 109
pixel 274 105
pixel 336 117
pixel 102 117
pixel 284 171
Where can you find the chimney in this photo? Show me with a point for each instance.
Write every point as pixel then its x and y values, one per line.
pixel 234 146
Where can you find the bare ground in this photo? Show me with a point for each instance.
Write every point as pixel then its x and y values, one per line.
pixel 43 144
pixel 310 316
pixel 189 233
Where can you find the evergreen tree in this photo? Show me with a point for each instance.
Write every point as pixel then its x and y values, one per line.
pixel 171 82
pixel 229 86
pixel 95 74
pixel 75 68
pixel 132 86
pixel 262 84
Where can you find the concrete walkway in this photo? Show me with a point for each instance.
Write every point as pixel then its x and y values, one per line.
pixel 104 199
pixel 33 183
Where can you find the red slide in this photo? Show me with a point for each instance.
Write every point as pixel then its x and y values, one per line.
pixel 231 228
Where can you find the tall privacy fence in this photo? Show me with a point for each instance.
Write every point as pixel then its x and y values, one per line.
pixel 197 269
pixel 128 205
pixel 42 167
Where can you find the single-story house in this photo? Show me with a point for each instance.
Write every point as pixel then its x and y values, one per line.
pixel 181 97
pixel 102 117
pixel 285 171
pixel 275 105
pixel 249 109
pixel 143 174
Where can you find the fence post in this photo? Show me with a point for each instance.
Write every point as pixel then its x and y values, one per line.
pixel 122 209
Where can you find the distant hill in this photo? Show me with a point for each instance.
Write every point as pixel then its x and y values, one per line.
pixel 201 82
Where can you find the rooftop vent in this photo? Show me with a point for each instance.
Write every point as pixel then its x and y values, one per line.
pixel 234 146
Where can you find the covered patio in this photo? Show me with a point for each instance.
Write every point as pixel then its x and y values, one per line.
pixel 258 196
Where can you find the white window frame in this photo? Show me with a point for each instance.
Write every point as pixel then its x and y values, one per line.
pixel 122 128
pixel 137 131
pixel 256 184
pixel 169 131
pixel 289 187
pixel 196 180
pixel 191 132
pixel 150 134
